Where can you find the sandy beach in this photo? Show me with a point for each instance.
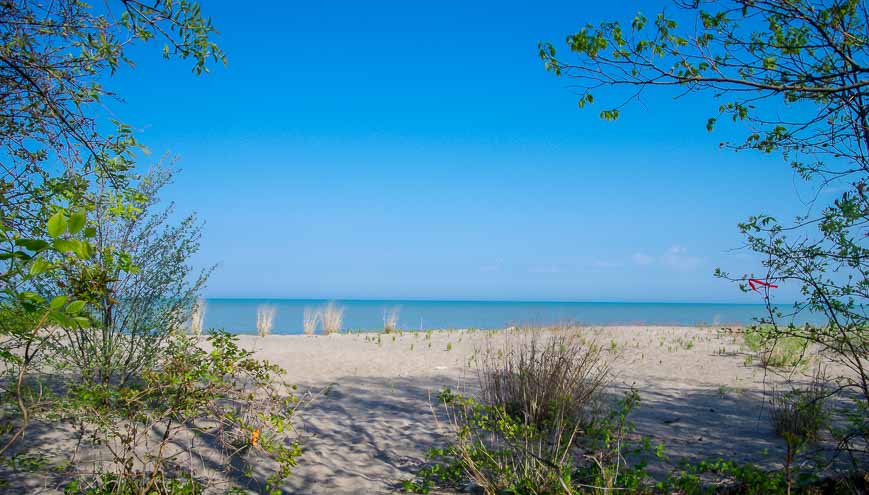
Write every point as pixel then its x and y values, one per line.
pixel 374 409
pixel 374 422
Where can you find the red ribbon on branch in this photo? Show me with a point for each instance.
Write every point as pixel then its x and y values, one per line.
pixel 755 282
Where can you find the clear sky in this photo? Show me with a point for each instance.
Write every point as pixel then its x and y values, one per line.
pixel 420 150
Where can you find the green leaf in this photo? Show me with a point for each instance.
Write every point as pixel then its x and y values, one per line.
pixel 38 266
pixel 31 296
pixel 58 302
pixel 57 224
pixel 32 244
pixel 86 250
pixel 75 307
pixel 77 221
pixel 710 124
pixel 21 255
pixel 90 232
pixel 67 245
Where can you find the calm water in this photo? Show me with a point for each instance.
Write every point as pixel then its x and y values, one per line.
pixel 239 315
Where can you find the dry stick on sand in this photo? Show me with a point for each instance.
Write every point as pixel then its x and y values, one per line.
pixel 197 318
pixel 265 317
pixel 309 321
pixel 333 315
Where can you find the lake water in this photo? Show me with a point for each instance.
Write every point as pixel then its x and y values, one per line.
pixel 239 315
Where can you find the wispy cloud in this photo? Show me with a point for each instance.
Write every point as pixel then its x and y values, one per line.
pixel 676 257
pixel 494 266
pixel 642 259
pixel 546 269
pixel 607 264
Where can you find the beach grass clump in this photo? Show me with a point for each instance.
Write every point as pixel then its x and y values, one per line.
pixel 543 377
pixel 332 317
pixel 265 318
pixel 310 317
pixel 798 415
pixel 390 320
pixel 197 317
pixel 775 350
pixel 802 411
pixel 539 402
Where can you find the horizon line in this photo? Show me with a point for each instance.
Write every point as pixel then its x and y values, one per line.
pixel 551 301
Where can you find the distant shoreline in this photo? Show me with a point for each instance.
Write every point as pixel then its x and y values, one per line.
pixel 488 301
pixel 239 315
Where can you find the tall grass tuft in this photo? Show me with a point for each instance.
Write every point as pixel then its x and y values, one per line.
pixel 265 317
pixel 309 320
pixel 332 316
pixel 798 415
pixel 197 318
pixel 540 417
pixel 542 378
pixel 390 320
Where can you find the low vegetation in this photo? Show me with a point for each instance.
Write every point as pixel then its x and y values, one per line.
pixel 310 318
pixel 540 424
pixel 390 320
pixel 265 318
pixel 545 419
pixel 774 350
pixel 197 317
pixel 543 378
pixel 220 403
pixel 332 316
pixel 125 390
pixel 798 416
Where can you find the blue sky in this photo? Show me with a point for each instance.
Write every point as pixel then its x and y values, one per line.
pixel 420 150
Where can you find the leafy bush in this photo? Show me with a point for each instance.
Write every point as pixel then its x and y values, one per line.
pixel 139 284
pixel 222 399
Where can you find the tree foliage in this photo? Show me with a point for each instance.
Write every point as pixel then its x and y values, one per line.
pixel 74 241
pixel 138 284
pixel 56 141
pixel 793 73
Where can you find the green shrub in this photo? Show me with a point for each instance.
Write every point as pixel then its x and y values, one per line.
pixel 500 453
pixel 746 479
pixel 222 397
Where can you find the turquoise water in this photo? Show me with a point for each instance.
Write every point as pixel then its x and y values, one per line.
pixel 239 315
